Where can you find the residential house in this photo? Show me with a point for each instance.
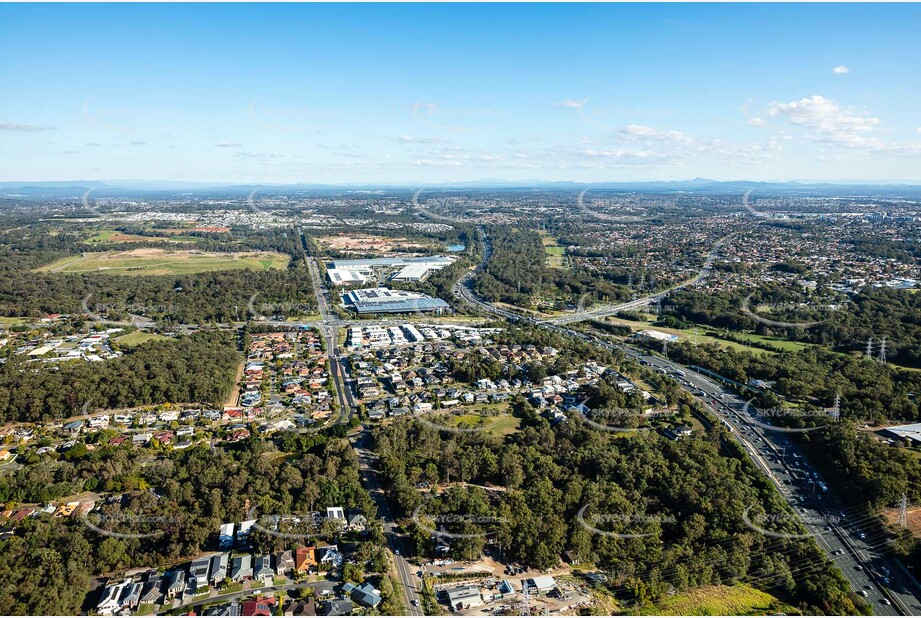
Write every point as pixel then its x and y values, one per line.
pixel 152 591
pixel 284 562
pixel 336 607
pixel 198 574
pixel 365 594
pixel 175 583
pixel 111 595
pixel 356 521
pixel 218 570
pixel 300 607
pixel 260 606
pixel 262 568
pixel 241 567
pixel 304 558
pixel 131 596
pixel 225 536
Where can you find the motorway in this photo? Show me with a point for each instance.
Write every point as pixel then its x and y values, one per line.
pixel 652 298
pixel 843 535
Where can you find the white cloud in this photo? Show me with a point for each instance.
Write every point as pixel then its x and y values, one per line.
pixel 829 121
pixel 636 130
pixel 137 142
pixel 409 139
pixel 571 103
pixel 229 145
pixel 840 70
pixel 757 122
pixel 12 126
pixel 677 144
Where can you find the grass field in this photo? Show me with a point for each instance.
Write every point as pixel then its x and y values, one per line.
pixel 501 425
pixel 137 338
pixel 739 600
pixel 555 253
pixel 699 337
pixel 165 262
pixel 113 236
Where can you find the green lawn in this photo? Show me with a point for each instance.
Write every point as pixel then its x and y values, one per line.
pixel 137 338
pixel 555 253
pixel 114 236
pixel 698 336
pixel 166 262
pixel 739 600
pixel 501 425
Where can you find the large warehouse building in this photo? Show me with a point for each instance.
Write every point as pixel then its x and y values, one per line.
pixel 411 269
pixel 385 300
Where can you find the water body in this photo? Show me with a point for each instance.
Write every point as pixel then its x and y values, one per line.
pixel 455 248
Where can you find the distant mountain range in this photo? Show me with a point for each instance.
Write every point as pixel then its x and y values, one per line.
pixel 168 188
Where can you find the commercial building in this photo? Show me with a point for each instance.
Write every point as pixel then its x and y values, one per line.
pixel 385 300
pixel 343 276
pixel 655 335
pixel 464 597
pixel 412 269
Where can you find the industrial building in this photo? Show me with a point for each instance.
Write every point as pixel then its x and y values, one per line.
pixel 343 276
pixel 385 300
pixel 411 269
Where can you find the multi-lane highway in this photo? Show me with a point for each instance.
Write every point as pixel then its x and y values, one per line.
pixel 652 298
pixel 845 535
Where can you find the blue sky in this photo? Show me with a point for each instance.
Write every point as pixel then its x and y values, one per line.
pixel 434 93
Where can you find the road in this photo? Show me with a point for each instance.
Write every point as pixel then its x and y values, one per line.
pixel 233 596
pixel 652 298
pixel 367 461
pixel 338 365
pixel 842 534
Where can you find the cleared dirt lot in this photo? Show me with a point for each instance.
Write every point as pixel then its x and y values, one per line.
pixel 361 243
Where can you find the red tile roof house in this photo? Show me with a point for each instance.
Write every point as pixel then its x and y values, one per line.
pixel 164 437
pixel 260 606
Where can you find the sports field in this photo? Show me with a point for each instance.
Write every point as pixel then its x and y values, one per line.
pixel 165 262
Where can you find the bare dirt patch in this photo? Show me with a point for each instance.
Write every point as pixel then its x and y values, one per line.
pixel 362 243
